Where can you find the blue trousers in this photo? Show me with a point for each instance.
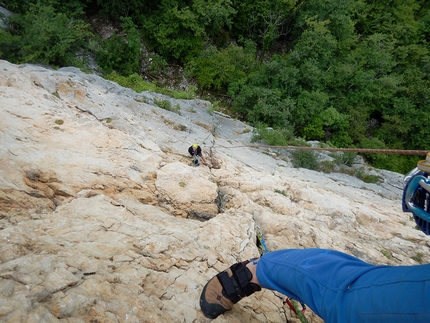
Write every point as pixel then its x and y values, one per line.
pixel 343 289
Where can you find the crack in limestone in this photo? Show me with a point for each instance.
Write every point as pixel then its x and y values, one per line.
pixel 46 294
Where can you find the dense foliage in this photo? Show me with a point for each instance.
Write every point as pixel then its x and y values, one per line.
pixel 352 73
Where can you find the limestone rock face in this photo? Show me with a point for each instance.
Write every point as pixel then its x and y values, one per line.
pixel 188 190
pixel 104 219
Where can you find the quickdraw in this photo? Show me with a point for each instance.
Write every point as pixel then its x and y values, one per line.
pixel 261 244
pixel 289 301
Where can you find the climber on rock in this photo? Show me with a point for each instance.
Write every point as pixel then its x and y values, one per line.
pixel 195 150
pixel 336 286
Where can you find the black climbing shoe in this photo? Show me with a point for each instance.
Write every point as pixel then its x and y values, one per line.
pixel 226 289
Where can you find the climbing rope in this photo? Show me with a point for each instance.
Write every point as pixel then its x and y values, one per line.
pixel 353 150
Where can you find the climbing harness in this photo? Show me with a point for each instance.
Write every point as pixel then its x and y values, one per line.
pixel 262 248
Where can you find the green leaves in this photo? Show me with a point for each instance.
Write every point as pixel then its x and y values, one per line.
pixel 218 69
pixel 397 18
pixel 120 54
pixel 329 126
pixel 177 29
pixel 264 22
pixel 261 104
pixel 45 36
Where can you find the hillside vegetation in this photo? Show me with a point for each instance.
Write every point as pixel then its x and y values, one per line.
pixel 352 73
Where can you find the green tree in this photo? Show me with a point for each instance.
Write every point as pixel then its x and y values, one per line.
pixel 263 94
pixel 309 104
pixel 329 126
pixel 338 16
pixel 218 69
pixel 124 8
pixel 18 6
pixel 120 54
pixel 43 35
pixel 263 105
pixel 178 29
pixel 215 15
pixel 264 22
pixel 391 17
pixel 72 8
pixel 314 56
pixel 174 32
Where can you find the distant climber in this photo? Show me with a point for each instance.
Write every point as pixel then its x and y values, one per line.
pixel 196 151
pixel 336 286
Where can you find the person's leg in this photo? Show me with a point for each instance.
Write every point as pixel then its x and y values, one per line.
pixel 336 286
pixel 252 267
pixel 341 288
pixel 215 300
pixel 390 295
